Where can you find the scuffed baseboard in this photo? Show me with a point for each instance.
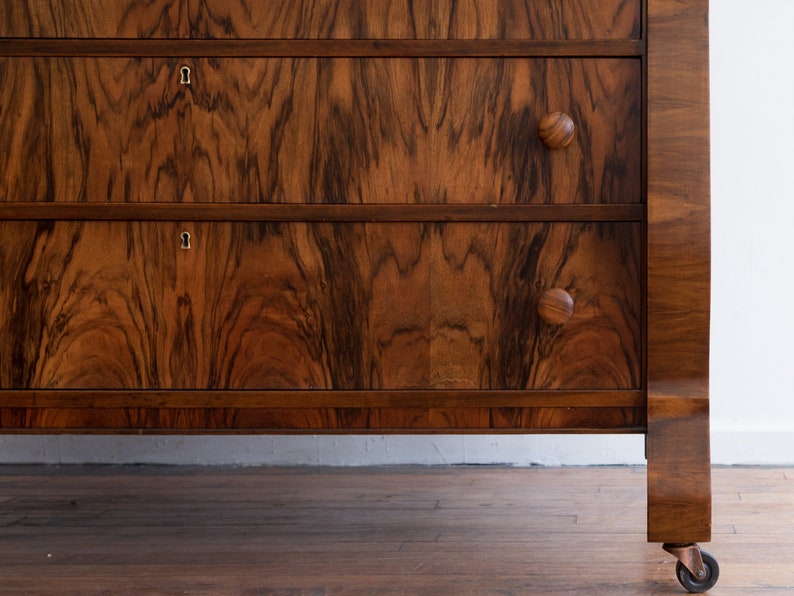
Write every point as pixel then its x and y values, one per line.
pixel 732 444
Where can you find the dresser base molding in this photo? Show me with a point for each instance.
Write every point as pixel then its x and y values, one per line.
pixel 53 398
pixel 318 411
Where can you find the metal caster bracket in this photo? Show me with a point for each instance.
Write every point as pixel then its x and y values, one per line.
pixel 690 557
pixel 696 570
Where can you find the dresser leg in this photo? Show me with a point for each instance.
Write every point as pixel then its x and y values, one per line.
pixel 679 470
pixel 679 486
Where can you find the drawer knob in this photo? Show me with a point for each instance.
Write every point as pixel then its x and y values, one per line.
pixel 556 130
pixel 555 306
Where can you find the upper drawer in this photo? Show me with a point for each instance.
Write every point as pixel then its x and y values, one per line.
pixel 340 130
pixel 323 19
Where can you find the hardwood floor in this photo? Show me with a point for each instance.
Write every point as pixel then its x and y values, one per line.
pixel 402 530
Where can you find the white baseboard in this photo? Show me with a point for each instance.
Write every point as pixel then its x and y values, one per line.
pixel 344 450
pixel 732 444
pixel 768 443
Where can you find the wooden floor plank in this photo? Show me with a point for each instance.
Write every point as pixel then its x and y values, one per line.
pixel 402 530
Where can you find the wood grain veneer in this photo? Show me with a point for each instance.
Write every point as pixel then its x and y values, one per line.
pixel 344 306
pixel 304 130
pixel 313 19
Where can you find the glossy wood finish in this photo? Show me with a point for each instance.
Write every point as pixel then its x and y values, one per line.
pixel 556 306
pixel 109 305
pixel 166 418
pixel 451 131
pixel 439 531
pixel 322 48
pixel 313 398
pixel 679 497
pixel 320 212
pixel 556 130
pixel 322 19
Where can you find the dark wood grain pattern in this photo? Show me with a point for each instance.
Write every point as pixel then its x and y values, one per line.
pixel 90 18
pixel 224 411
pixel 305 130
pixel 314 398
pixel 112 305
pixel 321 48
pixel 323 19
pixel 321 212
pixel 679 496
pixel 385 420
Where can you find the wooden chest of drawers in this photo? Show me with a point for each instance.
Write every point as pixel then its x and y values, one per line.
pixel 351 216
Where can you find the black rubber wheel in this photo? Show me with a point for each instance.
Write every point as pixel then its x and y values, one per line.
pixel 697 585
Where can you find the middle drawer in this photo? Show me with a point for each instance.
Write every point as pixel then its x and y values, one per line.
pixel 319 130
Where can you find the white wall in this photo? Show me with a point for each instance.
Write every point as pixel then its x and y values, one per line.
pixel 752 282
pixel 753 223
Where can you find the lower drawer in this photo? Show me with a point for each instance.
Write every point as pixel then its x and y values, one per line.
pixel 319 306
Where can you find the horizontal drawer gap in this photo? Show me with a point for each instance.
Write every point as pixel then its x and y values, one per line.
pixel 393 48
pixel 93 398
pixel 317 212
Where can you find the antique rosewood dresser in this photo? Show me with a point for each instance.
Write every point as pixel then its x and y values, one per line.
pixel 262 216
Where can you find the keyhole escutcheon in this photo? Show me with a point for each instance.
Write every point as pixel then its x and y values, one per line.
pixel 185 236
pixel 184 75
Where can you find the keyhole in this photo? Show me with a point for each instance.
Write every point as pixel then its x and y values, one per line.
pixel 185 240
pixel 185 72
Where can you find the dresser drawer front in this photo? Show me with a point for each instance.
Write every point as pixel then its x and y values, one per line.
pixel 112 305
pixel 323 19
pixel 440 130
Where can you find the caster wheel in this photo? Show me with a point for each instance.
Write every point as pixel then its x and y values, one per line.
pixel 697 585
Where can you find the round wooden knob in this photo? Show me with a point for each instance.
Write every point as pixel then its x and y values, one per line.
pixel 555 306
pixel 556 130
